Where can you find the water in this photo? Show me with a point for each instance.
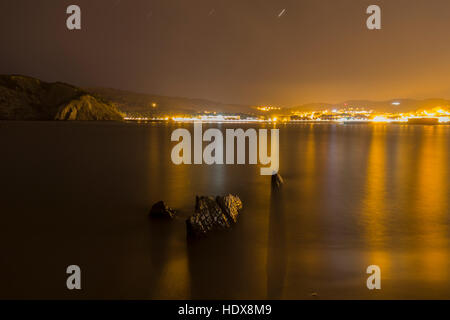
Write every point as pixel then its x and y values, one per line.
pixel 355 195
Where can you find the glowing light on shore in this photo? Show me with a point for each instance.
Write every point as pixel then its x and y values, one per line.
pixel 266 109
pixel 380 119
pixel 344 115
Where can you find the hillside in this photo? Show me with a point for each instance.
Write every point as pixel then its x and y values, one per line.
pixel 26 98
pixel 156 105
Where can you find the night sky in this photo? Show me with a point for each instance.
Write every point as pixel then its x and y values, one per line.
pixel 235 51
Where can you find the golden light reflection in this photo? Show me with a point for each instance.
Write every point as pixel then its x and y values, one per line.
pixel 310 161
pixel 308 190
pixel 374 210
pixel 175 279
pixel 432 205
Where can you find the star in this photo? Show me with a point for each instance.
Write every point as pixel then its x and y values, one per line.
pixel 282 13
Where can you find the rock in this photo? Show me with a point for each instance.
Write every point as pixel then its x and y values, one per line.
pixel 230 205
pixel 161 210
pixel 212 214
pixel 277 181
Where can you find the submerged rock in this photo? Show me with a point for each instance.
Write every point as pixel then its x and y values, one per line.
pixel 213 214
pixel 277 181
pixel 161 210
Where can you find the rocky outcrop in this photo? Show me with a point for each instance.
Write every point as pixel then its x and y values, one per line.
pixel 277 181
pixel 230 205
pixel 213 214
pixel 161 211
pixel 26 98
pixel 87 107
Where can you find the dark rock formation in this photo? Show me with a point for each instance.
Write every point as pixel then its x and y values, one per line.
pixel 161 211
pixel 230 205
pixel 26 98
pixel 213 214
pixel 277 181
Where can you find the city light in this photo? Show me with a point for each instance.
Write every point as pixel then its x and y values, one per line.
pixel 345 115
pixel 381 119
pixel 266 109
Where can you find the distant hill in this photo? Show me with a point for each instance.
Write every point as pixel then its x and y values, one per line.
pixel 156 105
pixel 395 105
pixel 26 98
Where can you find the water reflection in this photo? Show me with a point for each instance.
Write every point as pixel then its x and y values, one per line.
pixel 375 202
pixel 431 203
pixel 277 252
pixel 355 195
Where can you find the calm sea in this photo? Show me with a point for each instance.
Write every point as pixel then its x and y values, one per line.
pixel 354 195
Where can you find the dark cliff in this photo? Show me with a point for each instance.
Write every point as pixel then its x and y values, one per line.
pixel 26 98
